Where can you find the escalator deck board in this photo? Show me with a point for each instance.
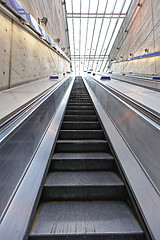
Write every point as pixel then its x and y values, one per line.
pixel 111 218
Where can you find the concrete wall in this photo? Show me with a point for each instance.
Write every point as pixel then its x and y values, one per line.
pixel 23 58
pixel 51 9
pixel 143 34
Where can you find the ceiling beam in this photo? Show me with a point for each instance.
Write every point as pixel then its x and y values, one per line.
pixel 99 35
pixel 93 33
pixel 89 4
pixel 94 15
pixel 107 30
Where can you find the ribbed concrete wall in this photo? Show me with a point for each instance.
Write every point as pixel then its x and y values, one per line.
pixel 143 34
pixel 51 9
pixel 23 58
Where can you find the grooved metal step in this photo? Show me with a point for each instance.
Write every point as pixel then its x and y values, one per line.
pixel 84 99
pixel 80 118
pixel 73 125
pixel 75 107
pixel 81 134
pixel 79 91
pixel 82 95
pixel 82 146
pixel 73 100
pixel 79 99
pixel 83 186
pixel 80 111
pixel 77 104
pixel 86 220
pixel 82 161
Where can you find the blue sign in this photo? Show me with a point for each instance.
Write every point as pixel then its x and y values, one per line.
pixel 138 57
pixel 156 78
pixel 105 78
pixel 54 77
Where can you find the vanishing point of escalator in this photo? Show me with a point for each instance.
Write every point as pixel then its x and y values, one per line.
pixel 83 196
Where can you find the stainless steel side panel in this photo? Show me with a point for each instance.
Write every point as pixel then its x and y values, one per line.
pixel 146 196
pixel 18 150
pixel 140 133
pixel 15 222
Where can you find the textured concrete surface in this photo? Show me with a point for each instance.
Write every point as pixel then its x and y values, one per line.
pixel 143 34
pixel 53 11
pixel 5 43
pixel 23 58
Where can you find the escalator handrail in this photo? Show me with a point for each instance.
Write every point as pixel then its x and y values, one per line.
pixel 133 83
pixel 151 114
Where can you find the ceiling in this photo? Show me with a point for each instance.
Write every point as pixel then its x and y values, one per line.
pixel 93 26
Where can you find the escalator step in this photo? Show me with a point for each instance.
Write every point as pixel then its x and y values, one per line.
pixel 88 100
pixel 82 161
pixel 81 134
pixel 79 97
pixel 77 104
pixel 80 118
pixel 79 90
pixel 72 125
pixel 82 146
pixel 80 111
pixel 102 185
pixel 79 107
pixel 86 220
pixel 79 101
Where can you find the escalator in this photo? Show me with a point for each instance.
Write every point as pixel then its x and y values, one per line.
pixel 84 196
